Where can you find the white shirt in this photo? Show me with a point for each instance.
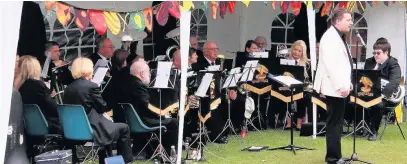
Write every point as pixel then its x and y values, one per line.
pixel 377 65
pixel 105 59
pixel 209 61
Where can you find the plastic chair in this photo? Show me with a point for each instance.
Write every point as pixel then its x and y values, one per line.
pixel 136 125
pixel 77 128
pixel 391 113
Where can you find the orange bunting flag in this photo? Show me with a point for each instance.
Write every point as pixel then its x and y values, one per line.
pixel 173 9
pixel 214 7
pixel 148 18
pixel 63 13
pixel 98 20
pixel 223 8
pixel 81 19
pixel 376 3
pixel 327 7
pixel 296 7
pixel 49 5
pixel 162 14
pixel 231 6
pixel 284 7
pixel 273 4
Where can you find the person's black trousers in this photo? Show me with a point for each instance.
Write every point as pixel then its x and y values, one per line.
pixel 334 123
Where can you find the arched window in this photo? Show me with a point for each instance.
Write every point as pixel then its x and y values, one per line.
pixel 73 42
pixel 199 26
pixel 282 30
pixel 359 24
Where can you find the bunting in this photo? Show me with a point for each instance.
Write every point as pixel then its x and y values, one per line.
pixel 362 6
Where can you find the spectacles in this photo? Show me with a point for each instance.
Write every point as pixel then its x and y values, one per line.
pixel 212 49
pixel 377 53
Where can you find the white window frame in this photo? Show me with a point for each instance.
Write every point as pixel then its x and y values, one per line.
pixel 286 26
pixel 197 23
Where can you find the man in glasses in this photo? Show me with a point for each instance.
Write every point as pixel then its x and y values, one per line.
pixel 389 70
pixel 105 51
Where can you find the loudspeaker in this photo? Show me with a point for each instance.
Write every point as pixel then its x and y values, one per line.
pixel 306 129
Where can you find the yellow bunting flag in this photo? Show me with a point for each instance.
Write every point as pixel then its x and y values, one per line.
pixel 187 5
pixel 137 21
pixel 112 22
pixel 246 3
pixel 351 5
pixel 63 13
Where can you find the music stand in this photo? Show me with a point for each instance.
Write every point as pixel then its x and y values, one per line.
pixel 162 80
pixel 292 84
pixel 231 82
pixel 247 76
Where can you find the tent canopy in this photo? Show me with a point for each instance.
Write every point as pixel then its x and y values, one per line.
pixel 118 6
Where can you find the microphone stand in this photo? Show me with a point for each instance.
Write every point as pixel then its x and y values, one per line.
pixel 354 157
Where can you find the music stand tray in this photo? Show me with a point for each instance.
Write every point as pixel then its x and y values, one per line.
pixel 292 84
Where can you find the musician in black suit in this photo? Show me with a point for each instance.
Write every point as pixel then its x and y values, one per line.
pixel 215 123
pixel 261 42
pixel 389 70
pixel 135 91
pixel 193 41
pixel 34 91
pixel 86 93
pixel 105 50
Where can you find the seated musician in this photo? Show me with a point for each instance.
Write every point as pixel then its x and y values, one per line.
pixel 237 96
pixel 53 52
pixel 215 122
pixel 105 50
pixel 261 42
pixel 86 93
pixel 34 91
pixel 110 93
pixel 299 54
pixel 135 92
pixel 389 70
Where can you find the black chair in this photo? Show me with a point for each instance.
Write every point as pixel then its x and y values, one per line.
pixel 390 114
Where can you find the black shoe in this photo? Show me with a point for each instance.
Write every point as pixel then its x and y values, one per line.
pixel 222 140
pixel 372 137
pixel 340 161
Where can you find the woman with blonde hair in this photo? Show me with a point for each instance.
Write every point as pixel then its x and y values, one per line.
pixel 82 91
pixel 34 91
pixel 299 54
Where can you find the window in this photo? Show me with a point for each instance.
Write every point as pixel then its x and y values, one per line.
pixel 73 42
pixel 282 30
pixel 199 26
pixel 359 24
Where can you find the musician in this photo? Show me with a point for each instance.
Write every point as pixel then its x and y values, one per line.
pixel 34 91
pixel 135 92
pixel 261 42
pixel 193 41
pixel 104 51
pixel 215 122
pixel 389 70
pixel 333 79
pixel 52 52
pixel 299 54
pixel 110 94
pixel 86 93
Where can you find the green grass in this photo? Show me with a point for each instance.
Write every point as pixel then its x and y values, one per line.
pixel 393 150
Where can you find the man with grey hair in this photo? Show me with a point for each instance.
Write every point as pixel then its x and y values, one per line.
pixel 261 43
pixel 135 91
pixel 105 50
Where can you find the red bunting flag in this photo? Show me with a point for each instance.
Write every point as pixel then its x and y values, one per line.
pixel 296 7
pixel 342 4
pixel 231 6
pixel 98 20
pixel 223 8
pixel 284 7
pixel 173 9
pixel 162 14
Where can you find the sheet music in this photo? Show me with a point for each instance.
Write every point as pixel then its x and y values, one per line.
pixel 361 65
pixel 260 55
pixel 214 68
pixel 160 58
pixel 235 70
pixel 203 87
pixel 232 80
pixel 163 74
pixel 248 71
pixel 287 80
pixel 101 63
pixel 287 62
pixel 99 75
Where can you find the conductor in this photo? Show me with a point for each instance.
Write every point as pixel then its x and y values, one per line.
pixel 335 83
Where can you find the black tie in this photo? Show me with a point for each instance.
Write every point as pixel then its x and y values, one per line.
pixel 213 63
pixel 296 62
pixel 378 66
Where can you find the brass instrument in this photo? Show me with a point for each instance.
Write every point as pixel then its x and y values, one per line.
pixel 397 95
pixel 308 85
pixel 283 51
pixel 167 53
pixel 222 60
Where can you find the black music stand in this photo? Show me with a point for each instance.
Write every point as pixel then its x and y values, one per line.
pixel 165 75
pixel 292 87
pixel 354 157
pixel 230 82
pixel 247 76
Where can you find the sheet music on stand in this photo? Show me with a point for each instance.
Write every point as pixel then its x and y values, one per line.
pixel 99 75
pixel 259 55
pixel 101 63
pixel 163 75
pixel 287 80
pixel 213 68
pixel 248 71
pixel 233 78
pixel 203 87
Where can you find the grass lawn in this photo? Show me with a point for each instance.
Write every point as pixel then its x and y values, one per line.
pixel 393 150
